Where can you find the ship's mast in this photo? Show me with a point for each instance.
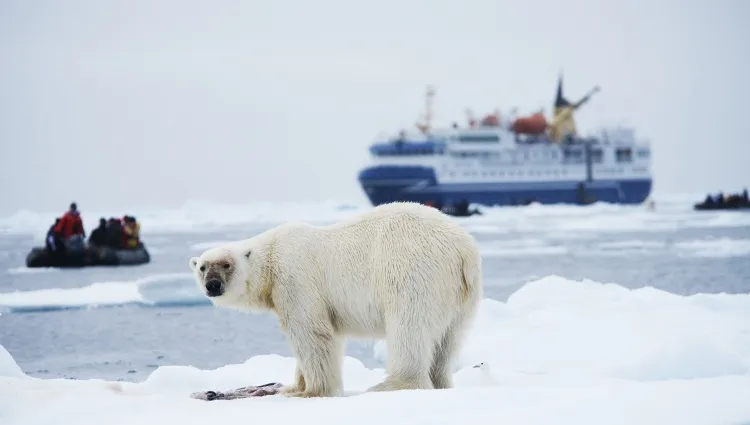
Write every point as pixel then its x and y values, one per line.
pixel 426 125
pixel 563 122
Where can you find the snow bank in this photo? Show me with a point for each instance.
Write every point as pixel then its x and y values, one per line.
pixel 27 270
pixel 715 247
pixel 203 246
pixel 193 216
pixel 199 216
pixel 164 289
pixel 589 329
pixel 8 366
pixel 520 248
pixel 558 351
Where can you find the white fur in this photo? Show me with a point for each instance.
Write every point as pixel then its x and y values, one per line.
pixel 402 272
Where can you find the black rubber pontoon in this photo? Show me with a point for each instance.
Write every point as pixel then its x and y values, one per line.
pixel 703 206
pixel 90 256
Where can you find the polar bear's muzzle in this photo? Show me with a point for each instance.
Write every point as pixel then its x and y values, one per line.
pixel 214 288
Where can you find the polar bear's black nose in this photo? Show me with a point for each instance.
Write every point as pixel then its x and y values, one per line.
pixel 213 288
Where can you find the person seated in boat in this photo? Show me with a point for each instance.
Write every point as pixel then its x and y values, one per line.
pixel 744 196
pixel 70 228
pixel 114 233
pixel 52 240
pixel 720 199
pixel 98 237
pixel 54 244
pixel 131 231
pixel 709 201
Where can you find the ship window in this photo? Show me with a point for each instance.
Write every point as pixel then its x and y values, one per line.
pixel 596 155
pixel 624 155
pixel 573 154
pixel 643 153
pixel 479 138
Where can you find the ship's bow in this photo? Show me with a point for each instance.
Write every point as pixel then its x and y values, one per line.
pixel 383 184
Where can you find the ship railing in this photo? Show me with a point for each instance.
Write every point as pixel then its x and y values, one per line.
pixel 618 133
pixel 411 136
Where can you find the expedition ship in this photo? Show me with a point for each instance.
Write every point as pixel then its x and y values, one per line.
pixel 524 160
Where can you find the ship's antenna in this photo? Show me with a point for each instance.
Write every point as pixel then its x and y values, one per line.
pixel 470 118
pixel 426 125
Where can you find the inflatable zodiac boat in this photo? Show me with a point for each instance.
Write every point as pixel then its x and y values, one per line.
pixel 89 256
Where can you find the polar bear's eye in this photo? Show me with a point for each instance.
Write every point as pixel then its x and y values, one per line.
pixel 203 268
pixel 227 266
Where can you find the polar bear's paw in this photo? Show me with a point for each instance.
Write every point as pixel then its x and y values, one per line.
pixel 395 384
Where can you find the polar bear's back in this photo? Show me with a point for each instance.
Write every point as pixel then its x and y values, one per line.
pixel 416 239
pixel 401 227
pixel 407 249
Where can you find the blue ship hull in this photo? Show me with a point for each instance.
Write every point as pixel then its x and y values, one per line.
pixel 384 184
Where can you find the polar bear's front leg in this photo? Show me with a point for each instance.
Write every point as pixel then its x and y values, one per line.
pixel 319 353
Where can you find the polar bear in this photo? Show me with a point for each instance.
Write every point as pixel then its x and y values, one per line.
pixel 403 272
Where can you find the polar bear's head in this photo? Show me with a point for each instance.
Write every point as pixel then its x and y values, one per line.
pixel 221 274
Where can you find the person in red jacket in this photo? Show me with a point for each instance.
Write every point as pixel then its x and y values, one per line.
pixel 70 223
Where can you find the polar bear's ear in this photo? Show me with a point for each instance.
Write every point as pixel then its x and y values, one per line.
pixel 193 263
pixel 247 253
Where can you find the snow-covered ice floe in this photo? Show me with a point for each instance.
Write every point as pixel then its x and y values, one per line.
pixel 558 352
pixel 671 213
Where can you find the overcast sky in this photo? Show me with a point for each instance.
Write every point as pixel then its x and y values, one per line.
pixel 116 104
